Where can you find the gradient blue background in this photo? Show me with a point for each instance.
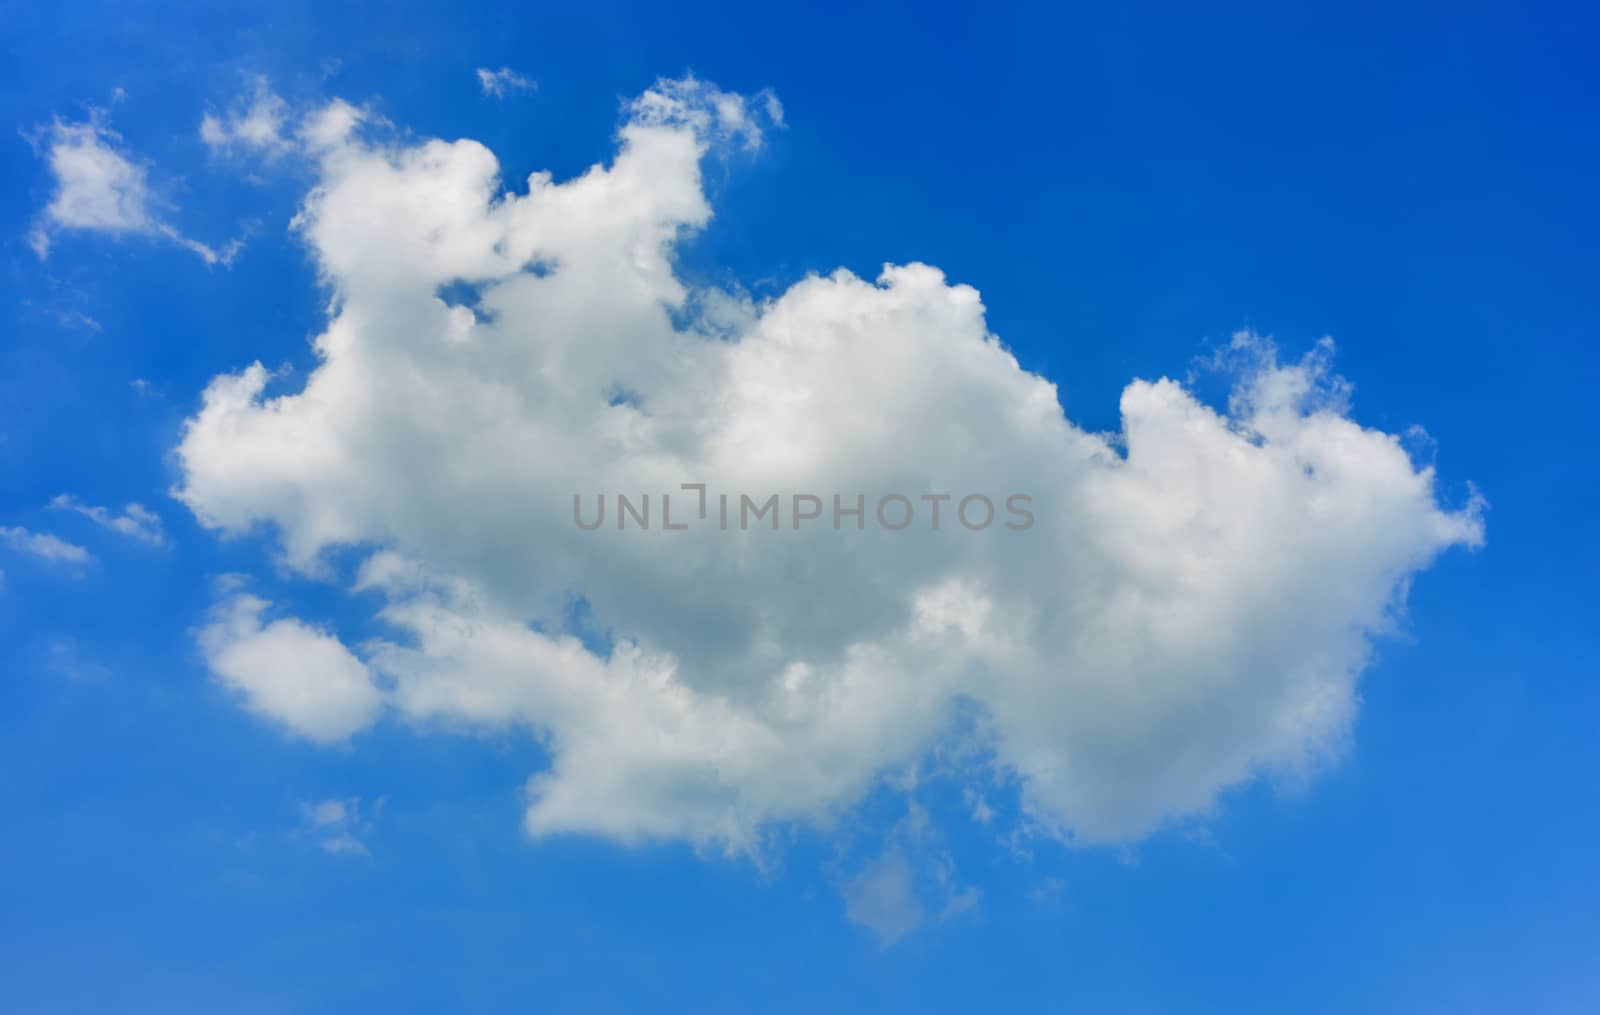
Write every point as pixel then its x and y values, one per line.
pixel 1124 183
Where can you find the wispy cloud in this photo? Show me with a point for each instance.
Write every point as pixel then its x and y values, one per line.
pixel 883 899
pixel 136 521
pixel 504 81
pixel 338 824
pixel 64 658
pixel 100 188
pixel 43 545
pixel 913 877
pixel 255 124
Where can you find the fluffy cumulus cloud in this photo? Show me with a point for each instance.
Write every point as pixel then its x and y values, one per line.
pixel 288 670
pixel 100 188
pixel 1191 607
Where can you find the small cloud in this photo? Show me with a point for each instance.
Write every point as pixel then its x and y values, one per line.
pixel 345 845
pixel 297 675
pixel 331 812
pixel 504 81
pixel 338 824
pixel 77 319
pixel 774 107
pixel 982 813
pixel 1048 893
pixel 255 124
pixel 329 126
pixel 135 522
pixel 43 545
pixel 912 877
pixel 63 658
pixel 99 188
pixel 883 899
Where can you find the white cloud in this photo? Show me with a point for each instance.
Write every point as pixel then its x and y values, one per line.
pixel 43 545
pixel 64 658
pixel 1193 607
pixel 338 825
pixel 288 671
pixel 328 812
pixel 79 319
pixel 714 115
pixel 331 126
pixel 135 522
pixel 256 125
pixel 883 899
pixel 503 82
pixel 1048 893
pixel 910 877
pixel 981 812
pixel 774 108
pixel 98 188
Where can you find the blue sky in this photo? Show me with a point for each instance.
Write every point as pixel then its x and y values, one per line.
pixel 1127 189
